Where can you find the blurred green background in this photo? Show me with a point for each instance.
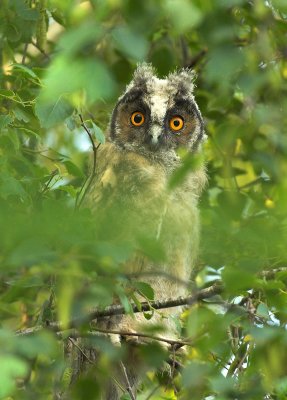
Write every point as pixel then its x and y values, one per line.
pixel 59 58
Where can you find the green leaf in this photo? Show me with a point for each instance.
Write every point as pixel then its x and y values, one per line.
pixel 26 70
pixel 52 113
pixel 75 39
pixel 183 14
pixel 98 133
pixel 262 311
pixel 230 3
pixel 130 43
pixel 148 315
pixel 125 397
pixel 5 120
pixel 125 303
pixel 20 115
pixel 73 169
pixel 9 186
pixel 153 354
pixel 30 251
pixel 11 368
pixel 117 252
pixel 73 192
pixel 280 5
pixel 190 162
pixel 25 11
pixel 144 289
pixel 39 344
pixel 71 122
pixel 194 374
pixel 224 63
pixel 6 93
pixel 12 33
pixel 77 78
pixel 136 301
pixel 152 249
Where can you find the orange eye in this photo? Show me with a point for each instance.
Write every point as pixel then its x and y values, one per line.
pixel 137 118
pixel 176 123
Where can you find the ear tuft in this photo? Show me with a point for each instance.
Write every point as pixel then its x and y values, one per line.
pixel 143 74
pixel 183 79
pixel 144 71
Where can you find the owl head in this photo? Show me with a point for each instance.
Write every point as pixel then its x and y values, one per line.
pixel 155 116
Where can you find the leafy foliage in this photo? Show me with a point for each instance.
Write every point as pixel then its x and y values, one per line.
pixel 61 58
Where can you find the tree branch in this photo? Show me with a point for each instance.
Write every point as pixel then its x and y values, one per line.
pixel 24 53
pixel 80 350
pixel 128 385
pixel 119 310
pixel 176 344
pixel 41 50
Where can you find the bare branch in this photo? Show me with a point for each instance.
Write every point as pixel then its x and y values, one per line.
pixel 155 389
pixel 24 53
pixel 41 50
pixel 192 62
pixel 128 387
pixel 176 344
pixel 46 187
pixel 80 350
pixel 119 310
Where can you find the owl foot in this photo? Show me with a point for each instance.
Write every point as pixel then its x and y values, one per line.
pixel 115 339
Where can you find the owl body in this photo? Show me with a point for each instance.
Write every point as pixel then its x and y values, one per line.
pixel 131 198
pixel 153 120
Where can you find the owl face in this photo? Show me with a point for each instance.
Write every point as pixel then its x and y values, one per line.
pixel 157 116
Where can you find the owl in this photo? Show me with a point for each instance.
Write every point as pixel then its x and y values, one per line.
pixel 154 122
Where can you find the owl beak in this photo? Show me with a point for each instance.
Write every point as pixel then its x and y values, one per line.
pixel 154 136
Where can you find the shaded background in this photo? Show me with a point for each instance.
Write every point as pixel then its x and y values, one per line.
pixel 59 58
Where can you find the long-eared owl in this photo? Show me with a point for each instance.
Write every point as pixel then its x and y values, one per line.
pixel 154 122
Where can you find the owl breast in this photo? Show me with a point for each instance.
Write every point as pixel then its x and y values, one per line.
pixel 132 204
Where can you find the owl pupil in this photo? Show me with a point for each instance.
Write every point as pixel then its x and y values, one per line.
pixel 138 118
pixel 176 122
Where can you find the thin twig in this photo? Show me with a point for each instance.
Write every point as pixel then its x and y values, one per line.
pixel 128 385
pixel 184 50
pixel 118 384
pixel 248 351
pixel 218 360
pixel 252 183
pixel 172 363
pixel 80 350
pixel 153 392
pixel 192 62
pixel 177 344
pixel 92 362
pixel 86 186
pixel 237 361
pixel 52 175
pixel 41 50
pixel 24 53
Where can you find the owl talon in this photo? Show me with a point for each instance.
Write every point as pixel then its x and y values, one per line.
pixel 115 339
